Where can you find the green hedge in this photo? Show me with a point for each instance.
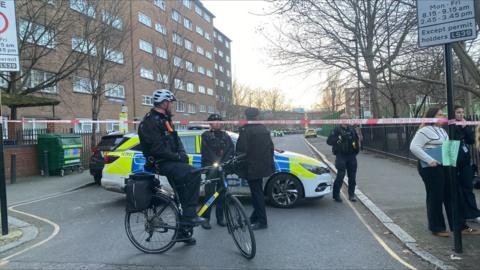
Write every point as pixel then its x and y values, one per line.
pixel 327 128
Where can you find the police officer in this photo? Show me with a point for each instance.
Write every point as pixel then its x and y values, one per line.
pixel 164 151
pixel 217 147
pixel 344 141
pixel 255 141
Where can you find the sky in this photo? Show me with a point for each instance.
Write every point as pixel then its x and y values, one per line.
pixel 251 64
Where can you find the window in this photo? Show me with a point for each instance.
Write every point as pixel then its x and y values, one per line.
pixel 227 58
pixel 189 142
pixel 216 82
pixel 207 17
pixel 189 66
pixel 163 78
pixel 220 52
pixel 192 108
pixel 177 61
pixel 146 73
pixel 211 109
pixel 38 77
pixel 209 73
pixel 36 34
pixel 161 29
pixel 190 87
pixel 227 44
pixel 215 34
pixel 114 90
pixel 228 87
pixel 207 36
pixel 113 21
pixel 215 50
pixel 85 127
pixel 220 68
pixel 199 30
pixel 83 85
pixel 222 84
pixel 201 70
pixel 228 73
pixel 198 10
pixel 203 108
pixel 187 4
pixel 114 56
pixel 220 38
pixel 83 46
pixel 83 7
pixel 160 4
pixel 210 91
pixel 188 45
pixel 201 89
pixel 187 23
pixel 147 100
pixel 179 84
pixel 180 106
pixel 145 46
pixel 144 19
pixel 162 53
pixel 177 39
pixel 176 16
pixel 112 126
pixel 200 50
pixel 208 55
pixel 216 66
pixel 34 127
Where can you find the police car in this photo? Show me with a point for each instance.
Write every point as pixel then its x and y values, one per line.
pixel 297 176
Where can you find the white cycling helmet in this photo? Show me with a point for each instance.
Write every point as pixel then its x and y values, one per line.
pixel 161 95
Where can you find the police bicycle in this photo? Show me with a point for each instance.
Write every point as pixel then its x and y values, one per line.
pixel 157 228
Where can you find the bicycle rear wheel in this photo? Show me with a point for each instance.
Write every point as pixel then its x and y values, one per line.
pixel 239 226
pixel 155 229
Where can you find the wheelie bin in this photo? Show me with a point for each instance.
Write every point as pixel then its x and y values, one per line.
pixel 62 151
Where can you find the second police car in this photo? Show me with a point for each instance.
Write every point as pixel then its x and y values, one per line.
pixel 297 176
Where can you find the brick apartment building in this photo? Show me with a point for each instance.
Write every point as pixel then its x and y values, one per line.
pixel 169 44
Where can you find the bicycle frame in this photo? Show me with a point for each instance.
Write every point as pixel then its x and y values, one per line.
pixel 221 192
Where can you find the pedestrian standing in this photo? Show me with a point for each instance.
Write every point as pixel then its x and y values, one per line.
pixel 217 147
pixel 345 146
pixel 428 138
pixel 466 135
pixel 255 141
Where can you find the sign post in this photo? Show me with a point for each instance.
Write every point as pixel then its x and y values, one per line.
pixel 442 22
pixel 9 61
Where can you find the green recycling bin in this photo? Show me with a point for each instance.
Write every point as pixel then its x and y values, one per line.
pixel 63 153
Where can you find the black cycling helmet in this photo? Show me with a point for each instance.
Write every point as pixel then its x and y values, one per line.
pixel 214 117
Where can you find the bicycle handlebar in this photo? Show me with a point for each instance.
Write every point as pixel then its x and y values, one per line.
pixel 216 167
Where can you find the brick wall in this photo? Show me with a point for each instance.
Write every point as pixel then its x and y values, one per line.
pixel 27 160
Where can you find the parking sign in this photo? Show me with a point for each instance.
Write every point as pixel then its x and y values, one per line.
pixel 9 60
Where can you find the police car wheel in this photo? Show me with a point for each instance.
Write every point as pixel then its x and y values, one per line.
pixel 284 191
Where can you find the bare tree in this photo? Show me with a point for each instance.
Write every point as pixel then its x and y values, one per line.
pixel 44 32
pixel 333 94
pixel 349 35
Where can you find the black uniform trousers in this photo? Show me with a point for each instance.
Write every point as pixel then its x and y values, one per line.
pixel 185 183
pixel 219 202
pixel 468 204
pixel 259 214
pixel 345 163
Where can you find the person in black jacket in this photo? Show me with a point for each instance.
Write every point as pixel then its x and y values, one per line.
pixel 345 146
pixel 255 141
pixel 164 151
pixel 466 135
pixel 217 147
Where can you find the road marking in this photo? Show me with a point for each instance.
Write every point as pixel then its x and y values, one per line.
pixel 56 227
pixel 375 235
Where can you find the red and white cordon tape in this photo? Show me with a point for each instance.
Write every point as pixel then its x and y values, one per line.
pixel 372 121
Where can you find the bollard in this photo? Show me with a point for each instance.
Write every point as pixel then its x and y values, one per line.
pixel 13 169
pixel 45 163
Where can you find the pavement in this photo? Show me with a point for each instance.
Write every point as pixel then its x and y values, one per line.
pixel 396 189
pixel 29 189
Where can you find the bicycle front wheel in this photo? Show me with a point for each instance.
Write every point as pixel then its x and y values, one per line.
pixel 239 226
pixel 154 229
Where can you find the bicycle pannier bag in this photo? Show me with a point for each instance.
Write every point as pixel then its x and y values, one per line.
pixel 139 191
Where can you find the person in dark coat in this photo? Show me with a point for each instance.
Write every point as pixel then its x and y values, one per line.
pixel 164 151
pixel 255 142
pixel 466 135
pixel 217 147
pixel 345 146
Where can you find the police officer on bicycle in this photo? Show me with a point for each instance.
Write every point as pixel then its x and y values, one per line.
pixel 345 146
pixel 217 147
pixel 164 151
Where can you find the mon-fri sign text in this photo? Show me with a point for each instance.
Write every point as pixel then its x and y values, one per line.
pixel 9 60
pixel 445 21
